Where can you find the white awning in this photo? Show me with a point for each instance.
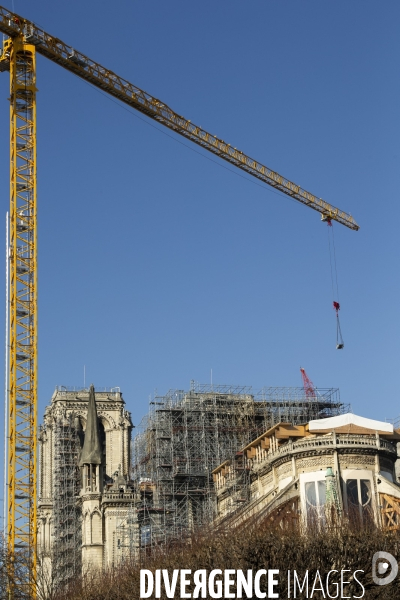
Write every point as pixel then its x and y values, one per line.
pixel 349 419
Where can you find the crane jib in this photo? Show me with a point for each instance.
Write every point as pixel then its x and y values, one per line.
pixel 54 49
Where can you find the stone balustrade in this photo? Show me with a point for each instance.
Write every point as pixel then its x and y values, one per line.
pixel 331 441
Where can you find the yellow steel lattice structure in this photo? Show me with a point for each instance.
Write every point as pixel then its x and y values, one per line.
pixel 22 484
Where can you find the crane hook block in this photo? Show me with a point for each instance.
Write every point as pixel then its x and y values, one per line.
pixel 327 220
pixel 339 337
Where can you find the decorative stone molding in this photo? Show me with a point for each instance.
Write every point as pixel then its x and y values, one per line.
pixel 355 459
pixel 108 418
pixel 116 513
pixel 266 480
pixel 90 497
pixel 308 463
pixel 284 468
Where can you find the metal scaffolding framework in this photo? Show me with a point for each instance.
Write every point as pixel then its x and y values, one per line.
pixel 186 435
pixel 67 514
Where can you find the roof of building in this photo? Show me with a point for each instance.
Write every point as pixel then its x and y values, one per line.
pixel 91 451
pixel 350 423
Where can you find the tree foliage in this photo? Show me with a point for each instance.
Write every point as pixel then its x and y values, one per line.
pixel 260 546
pixel 257 547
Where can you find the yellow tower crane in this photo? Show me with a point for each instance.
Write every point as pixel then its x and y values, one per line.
pixel 22 376
pixel 18 57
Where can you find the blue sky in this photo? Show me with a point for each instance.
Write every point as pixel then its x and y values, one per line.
pixel 156 265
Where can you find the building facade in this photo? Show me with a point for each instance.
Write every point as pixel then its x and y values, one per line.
pixel 84 492
pixel 342 466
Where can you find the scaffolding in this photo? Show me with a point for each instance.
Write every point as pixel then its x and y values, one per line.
pixel 67 514
pixel 188 434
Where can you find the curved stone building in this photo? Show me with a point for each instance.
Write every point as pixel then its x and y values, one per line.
pixel 345 463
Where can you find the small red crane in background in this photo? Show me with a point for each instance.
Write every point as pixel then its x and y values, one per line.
pixel 308 385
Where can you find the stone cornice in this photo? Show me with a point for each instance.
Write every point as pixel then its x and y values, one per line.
pixel 275 461
pixel 90 496
pixel 319 446
pixel 113 502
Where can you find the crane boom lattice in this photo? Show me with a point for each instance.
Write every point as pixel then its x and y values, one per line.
pixel 309 387
pixel 91 71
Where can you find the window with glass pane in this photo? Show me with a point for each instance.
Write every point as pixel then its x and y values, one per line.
pixel 321 492
pixel 359 498
pixel 315 492
pixel 366 496
pixel 311 494
pixel 352 492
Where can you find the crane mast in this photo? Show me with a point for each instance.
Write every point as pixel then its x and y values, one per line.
pixel 22 391
pixel 18 57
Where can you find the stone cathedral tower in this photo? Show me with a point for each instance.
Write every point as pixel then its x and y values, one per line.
pixel 84 490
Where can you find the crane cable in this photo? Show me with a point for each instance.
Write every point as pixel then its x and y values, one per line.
pixel 335 284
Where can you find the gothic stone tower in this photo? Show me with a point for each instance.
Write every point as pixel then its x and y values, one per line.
pixel 84 459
